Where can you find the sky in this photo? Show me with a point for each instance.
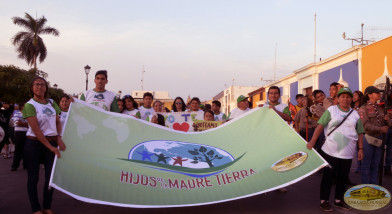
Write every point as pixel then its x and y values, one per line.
pixel 193 48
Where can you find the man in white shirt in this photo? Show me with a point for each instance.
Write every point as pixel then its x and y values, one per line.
pixel 99 96
pixel 273 103
pixel 242 104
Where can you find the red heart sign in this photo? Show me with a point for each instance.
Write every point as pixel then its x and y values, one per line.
pixel 183 127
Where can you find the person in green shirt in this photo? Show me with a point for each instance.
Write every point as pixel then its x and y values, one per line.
pixel 339 148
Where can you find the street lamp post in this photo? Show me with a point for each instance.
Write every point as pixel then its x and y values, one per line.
pixel 87 71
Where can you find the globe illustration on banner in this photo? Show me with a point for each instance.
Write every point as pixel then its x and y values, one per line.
pixel 190 159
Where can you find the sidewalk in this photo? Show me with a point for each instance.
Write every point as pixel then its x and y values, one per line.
pixel 301 198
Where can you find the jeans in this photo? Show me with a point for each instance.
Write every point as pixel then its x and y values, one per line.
pixel 388 150
pixel 340 168
pixel 20 139
pixel 370 162
pixel 34 154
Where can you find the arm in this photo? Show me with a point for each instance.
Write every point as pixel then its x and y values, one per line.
pixel 285 116
pixel 114 106
pixel 33 122
pixel 316 134
pixel 60 141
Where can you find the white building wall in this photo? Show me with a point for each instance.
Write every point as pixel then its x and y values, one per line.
pixel 230 95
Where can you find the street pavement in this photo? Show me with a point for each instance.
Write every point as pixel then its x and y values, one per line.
pixel 301 197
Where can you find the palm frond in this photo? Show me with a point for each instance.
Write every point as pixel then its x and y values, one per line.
pixel 50 30
pixel 22 22
pixel 19 36
pixel 41 50
pixel 41 23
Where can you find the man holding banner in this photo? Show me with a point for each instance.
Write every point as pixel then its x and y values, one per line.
pixel 273 102
pixel 99 96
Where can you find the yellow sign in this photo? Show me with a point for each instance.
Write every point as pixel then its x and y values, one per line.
pixel 367 197
pixel 290 162
pixel 202 125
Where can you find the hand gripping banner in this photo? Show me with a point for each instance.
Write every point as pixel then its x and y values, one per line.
pixel 119 160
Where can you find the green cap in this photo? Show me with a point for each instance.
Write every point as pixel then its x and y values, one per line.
pixel 346 90
pixel 241 98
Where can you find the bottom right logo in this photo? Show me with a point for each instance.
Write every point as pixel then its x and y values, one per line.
pixel 367 197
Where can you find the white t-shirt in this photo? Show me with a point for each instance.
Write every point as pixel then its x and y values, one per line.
pixel 218 117
pixel 63 117
pixel 280 107
pixel 237 112
pixel 342 142
pixel 146 113
pixel 103 100
pixel 18 116
pixel 46 117
pixel 132 113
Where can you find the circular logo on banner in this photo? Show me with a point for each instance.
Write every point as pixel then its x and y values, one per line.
pixel 367 197
pixel 289 162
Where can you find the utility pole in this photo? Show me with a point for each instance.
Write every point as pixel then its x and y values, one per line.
pixel 276 46
pixel 143 71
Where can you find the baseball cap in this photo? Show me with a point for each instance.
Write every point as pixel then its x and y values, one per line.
pixel 346 90
pixel 241 98
pixel 372 89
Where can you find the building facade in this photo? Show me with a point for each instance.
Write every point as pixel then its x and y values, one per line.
pixel 357 67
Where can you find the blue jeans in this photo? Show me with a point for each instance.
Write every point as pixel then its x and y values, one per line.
pixel 388 150
pixel 370 162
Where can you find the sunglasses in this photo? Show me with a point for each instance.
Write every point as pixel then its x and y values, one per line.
pixel 178 102
pixel 39 84
pixel 127 96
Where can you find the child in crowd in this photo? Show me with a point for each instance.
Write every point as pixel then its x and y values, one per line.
pixel 131 107
pixel 146 111
pixel 218 115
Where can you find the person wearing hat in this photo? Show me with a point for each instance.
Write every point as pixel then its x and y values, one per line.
pixel 372 116
pixel 242 104
pixel 342 128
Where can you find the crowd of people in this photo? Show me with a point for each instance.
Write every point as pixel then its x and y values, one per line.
pixel 342 127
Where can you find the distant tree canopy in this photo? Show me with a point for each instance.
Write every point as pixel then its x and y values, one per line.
pixel 15 83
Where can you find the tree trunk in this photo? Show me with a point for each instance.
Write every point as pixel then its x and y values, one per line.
pixel 35 61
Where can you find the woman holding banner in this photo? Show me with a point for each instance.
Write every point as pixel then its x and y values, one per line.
pixel 43 138
pixel 343 129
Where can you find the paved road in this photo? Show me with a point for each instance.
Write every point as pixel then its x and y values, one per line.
pixel 302 197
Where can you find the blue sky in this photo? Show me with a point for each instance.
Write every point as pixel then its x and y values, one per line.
pixel 188 47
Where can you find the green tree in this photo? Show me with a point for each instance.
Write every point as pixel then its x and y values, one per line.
pixel 15 84
pixel 29 44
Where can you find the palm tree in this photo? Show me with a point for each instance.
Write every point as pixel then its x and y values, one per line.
pixel 29 44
